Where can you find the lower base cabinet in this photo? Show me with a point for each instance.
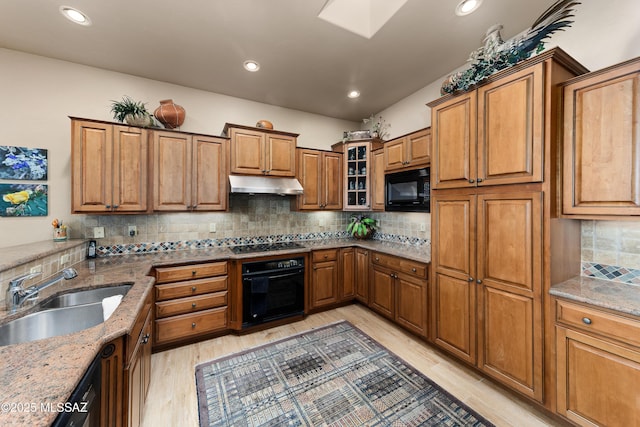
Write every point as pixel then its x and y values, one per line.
pixel 598 366
pixel 138 374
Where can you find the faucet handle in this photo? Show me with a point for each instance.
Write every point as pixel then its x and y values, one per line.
pixel 17 282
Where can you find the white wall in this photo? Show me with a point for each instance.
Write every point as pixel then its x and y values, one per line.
pixel 39 93
pixel 604 33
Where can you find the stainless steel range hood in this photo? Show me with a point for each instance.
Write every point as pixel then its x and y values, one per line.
pixel 264 185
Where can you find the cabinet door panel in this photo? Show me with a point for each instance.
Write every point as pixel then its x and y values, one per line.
pixel 377 180
pixel 209 174
pixel 411 303
pixel 247 152
pixel 130 157
pixel 324 284
pixel 332 181
pixel 394 154
pixel 92 166
pixel 382 292
pixel 281 155
pixel 172 171
pixel 510 128
pixel 419 148
pixel 602 144
pixel 454 314
pixel 454 143
pixel 511 341
pixel 362 275
pixel 453 230
pixel 309 175
pixel 348 270
pixel 598 382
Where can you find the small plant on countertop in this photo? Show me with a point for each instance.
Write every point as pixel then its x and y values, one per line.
pixel 361 226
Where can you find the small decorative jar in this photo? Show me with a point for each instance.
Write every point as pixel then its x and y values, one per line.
pixel 60 234
pixel 169 114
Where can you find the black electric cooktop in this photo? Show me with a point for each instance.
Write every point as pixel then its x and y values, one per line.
pixel 265 247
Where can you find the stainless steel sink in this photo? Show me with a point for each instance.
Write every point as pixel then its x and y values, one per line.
pixel 85 297
pixel 63 314
pixel 51 323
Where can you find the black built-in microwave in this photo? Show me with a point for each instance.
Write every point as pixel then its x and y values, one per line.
pixel 408 191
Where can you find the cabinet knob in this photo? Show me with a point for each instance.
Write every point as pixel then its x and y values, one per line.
pixel 193 272
pixel 194 206
pixel 414 269
pixel 471 181
pixel 108 206
pixel 479 281
pixel 315 268
pixel 193 305
pixel 193 289
pixel 479 179
pixel 326 256
pixel 116 206
pixel 470 279
pixel 586 320
pixel 193 325
pixel 377 259
pixel 391 275
pixel 145 338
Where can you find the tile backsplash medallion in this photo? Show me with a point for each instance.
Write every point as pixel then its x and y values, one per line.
pixel 248 217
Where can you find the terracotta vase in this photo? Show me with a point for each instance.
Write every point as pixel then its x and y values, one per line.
pixel 169 114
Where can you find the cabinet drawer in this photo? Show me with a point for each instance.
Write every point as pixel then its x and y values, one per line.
pixel 325 255
pixel 185 272
pixel 190 304
pixel 401 265
pixel 190 288
pixel 188 325
pixel 596 321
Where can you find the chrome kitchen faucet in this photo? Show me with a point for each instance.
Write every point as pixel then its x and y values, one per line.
pixel 17 295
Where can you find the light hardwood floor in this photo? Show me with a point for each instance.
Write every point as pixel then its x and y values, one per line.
pixel 172 395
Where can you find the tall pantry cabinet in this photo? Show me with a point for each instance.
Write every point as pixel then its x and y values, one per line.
pixel 497 244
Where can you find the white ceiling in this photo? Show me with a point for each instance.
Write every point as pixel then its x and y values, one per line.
pixel 306 63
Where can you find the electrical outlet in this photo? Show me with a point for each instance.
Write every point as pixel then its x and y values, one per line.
pixel 36 269
pixel 98 232
pixel 212 227
pixel 132 230
pixel 65 259
pixel 423 226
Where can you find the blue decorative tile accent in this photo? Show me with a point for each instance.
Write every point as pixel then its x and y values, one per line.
pixel 611 272
pixel 152 247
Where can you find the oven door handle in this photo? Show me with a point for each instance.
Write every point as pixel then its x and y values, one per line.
pixel 279 276
pixel 270 272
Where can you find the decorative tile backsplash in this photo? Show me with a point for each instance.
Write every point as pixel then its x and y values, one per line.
pixel 612 243
pixel 611 272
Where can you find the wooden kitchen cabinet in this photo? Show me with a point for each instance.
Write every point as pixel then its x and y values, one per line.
pixel 189 172
pixel 399 291
pixel 359 174
pixel 108 167
pixel 408 151
pixel 598 360
pixel 347 281
pixel 324 278
pixel 259 151
pixel 137 373
pixel 487 284
pixel 191 302
pixel 320 174
pixel 377 180
pixel 601 174
pixel 112 392
pixel 362 275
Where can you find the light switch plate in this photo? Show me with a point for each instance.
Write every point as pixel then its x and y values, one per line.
pixel 98 232
pixel 212 227
pixel 65 258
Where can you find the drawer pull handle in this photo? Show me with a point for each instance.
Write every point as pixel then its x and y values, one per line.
pixel 193 305
pixel 193 289
pixel 586 320
pixel 193 273
pixel 414 269
pixel 193 325
pixel 326 256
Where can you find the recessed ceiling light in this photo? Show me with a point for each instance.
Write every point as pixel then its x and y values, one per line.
pixel 74 15
pixel 354 94
pixel 465 7
pixel 252 66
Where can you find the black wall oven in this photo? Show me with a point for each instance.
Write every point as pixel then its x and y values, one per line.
pixel 271 290
pixel 408 191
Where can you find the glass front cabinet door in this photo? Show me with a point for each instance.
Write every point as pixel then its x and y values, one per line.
pixel 358 176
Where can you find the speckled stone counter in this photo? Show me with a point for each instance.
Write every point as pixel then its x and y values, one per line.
pixel 47 371
pixel 600 293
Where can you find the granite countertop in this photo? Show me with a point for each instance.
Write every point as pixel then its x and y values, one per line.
pixel 47 371
pixel 608 294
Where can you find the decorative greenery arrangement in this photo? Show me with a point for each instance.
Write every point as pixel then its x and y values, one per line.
pixel 132 112
pixel 379 127
pixel 361 226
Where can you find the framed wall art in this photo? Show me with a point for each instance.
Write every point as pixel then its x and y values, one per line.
pixel 22 163
pixel 24 200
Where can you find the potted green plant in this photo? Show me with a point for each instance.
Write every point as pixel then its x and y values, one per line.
pixel 361 226
pixel 132 112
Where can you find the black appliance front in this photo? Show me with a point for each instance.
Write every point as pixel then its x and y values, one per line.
pixel 408 191
pixel 272 290
pixel 83 407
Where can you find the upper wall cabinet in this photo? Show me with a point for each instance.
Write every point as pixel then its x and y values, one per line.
pixel 109 168
pixel 258 151
pixel 320 173
pixel 493 135
pixel 601 175
pixel 189 172
pixel 408 151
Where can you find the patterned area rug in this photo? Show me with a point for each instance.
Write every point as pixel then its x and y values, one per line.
pixel 332 376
